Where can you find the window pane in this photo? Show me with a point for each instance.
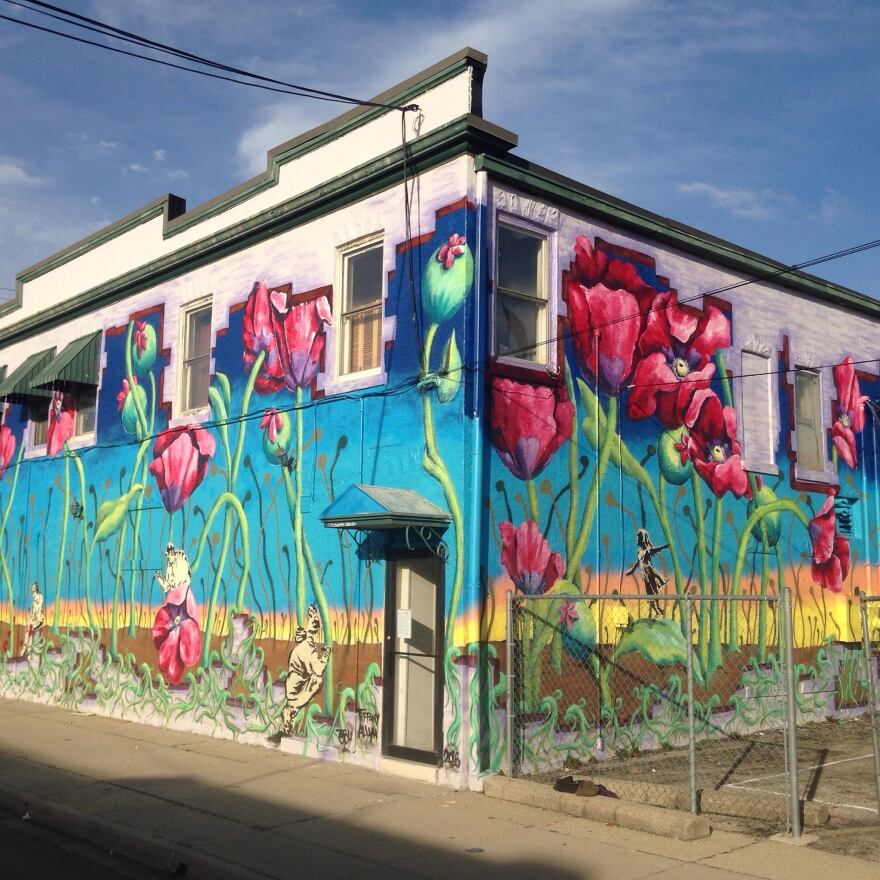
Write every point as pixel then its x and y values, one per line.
pixel 363 333
pixel 197 382
pixel 520 262
pixel 85 411
pixel 363 278
pixel 757 410
pixel 40 423
pixel 517 323
pixel 808 416
pixel 199 333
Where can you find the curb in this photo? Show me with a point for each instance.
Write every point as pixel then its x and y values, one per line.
pixel 638 817
pixel 156 854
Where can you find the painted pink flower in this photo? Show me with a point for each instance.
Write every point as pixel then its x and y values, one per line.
pixel 140 336
pixel 291 333
pixel 177 636
pixel 607 302
pixel 452 249
pixel 7 448
pixel 712 445
pixel 526 556
pixel 122 396
pixel 850 411
pixel 830 557
pixel 675 351
pixel 271 423
pixel 61 422
pixel 528 424
pixel 180 462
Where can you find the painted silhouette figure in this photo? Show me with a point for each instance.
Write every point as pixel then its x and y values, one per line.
pixel 654 580
pixel 35 621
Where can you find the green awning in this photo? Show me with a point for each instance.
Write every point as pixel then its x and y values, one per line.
pixel 19 383
pixel 77 362
pixel 382 507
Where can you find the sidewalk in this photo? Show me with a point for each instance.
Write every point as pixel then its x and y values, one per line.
pixel 229 810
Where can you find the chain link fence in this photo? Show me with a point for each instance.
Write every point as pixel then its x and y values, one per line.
pixel 682 702
pixel 870 617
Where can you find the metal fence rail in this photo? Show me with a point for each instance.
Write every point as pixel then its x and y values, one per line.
pixel 657 699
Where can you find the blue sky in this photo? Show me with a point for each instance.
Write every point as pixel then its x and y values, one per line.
pixel 754 121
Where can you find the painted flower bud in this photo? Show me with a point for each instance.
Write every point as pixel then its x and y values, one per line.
pixel 277 432
pixel 143 349
pixel 669 457
pixel 772 522
pixel 448 279
pixel 125 403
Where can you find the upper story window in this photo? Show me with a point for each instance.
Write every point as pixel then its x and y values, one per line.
pixel 362 294
pixel 521 294
pixel 756 407
pixel 196 361
pixel 809 434
pixel 85 401
pixel 39 419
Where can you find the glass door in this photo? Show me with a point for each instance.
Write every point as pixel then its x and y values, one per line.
pixel 413 659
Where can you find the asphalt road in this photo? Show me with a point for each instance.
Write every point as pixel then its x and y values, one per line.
pixel 29 851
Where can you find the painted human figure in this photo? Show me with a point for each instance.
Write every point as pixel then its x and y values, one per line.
pixel 35 621
pixel 654 580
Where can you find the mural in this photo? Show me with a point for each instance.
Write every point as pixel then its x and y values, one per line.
pixel 188 577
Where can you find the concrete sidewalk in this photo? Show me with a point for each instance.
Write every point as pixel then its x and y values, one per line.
pixel 221 809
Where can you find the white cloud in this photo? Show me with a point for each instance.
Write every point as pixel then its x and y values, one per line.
pixel 160 155
pixel 14 174
pixel 832 207
pixel 95 200
pixel 178 174
pixel 137 168
pixel 749 204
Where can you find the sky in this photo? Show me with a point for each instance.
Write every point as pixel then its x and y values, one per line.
pixel 754 121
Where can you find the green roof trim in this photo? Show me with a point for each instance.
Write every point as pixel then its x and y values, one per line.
pixel 77 362
pixel 19 383
pixel 563 191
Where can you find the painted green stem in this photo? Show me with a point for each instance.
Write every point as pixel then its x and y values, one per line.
pixel 65 514
pixel 87 545
pixel 574 561
pixel 297 518
pixel 573 472
pixel 534 508
pixel 114 617
pixel 434 465
pixel 134 545
pixel 660 505
pixel 715 656
pixel 765 577
pixel 245 406
pixel 700 516
pixel 129 374
pixel 6 575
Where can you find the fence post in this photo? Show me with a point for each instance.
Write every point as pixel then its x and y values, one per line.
pixel 692 736
pixel 791 726
pixel 870 668
pixel 510 689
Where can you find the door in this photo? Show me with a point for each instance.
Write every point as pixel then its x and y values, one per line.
pixel 413 696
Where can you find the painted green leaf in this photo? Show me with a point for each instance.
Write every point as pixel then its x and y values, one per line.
pixel 112 513
pixel 449 377
pixel 222 381
pixel 658 641
pixel 621 457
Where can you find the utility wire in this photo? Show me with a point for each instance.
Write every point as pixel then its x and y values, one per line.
pixel 98 27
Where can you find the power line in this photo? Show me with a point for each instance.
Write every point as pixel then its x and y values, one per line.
pixel 98 27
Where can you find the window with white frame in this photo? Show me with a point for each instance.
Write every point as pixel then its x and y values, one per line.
pixel 809 435
pixel 759 441
pixel 361 273
pixel 196 360
pixel 521 294
pixel 39 419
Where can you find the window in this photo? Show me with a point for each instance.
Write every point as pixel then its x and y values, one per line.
pixel 808 421
pixel 759 442
pixel 361 310
pixel 196 361
pixel 521 294
pixel 39 419
pixel 84 402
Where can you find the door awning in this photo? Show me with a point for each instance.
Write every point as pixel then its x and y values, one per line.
pixel 19 385
pixel 76 363
pixel 382 507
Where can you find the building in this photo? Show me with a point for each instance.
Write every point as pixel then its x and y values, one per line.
pixel 274 462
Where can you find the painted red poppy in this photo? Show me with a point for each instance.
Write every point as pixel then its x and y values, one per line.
pixel 712 445
pixel 180 462
pixel 675 349
pixel 7 448
pixel 850 411
pixel 292 334
pixel 528 424
pixel 177 636
pixel 525 554
pixel 607 306
pixel 830 557
pixel 61 422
